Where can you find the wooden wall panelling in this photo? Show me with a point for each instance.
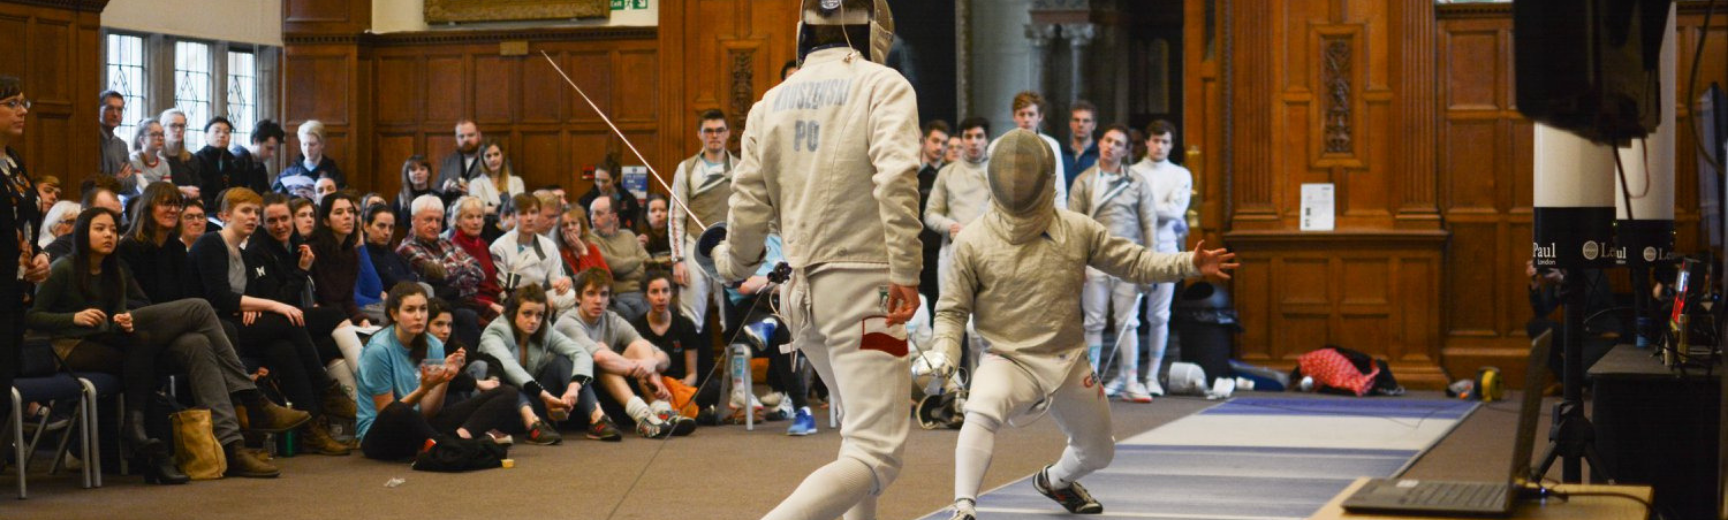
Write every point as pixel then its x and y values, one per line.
pixel 1203 95
pixel 326 16
pixel 55 53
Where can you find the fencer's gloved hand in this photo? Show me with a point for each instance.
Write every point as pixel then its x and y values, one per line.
pixel 940 358
pixel 711 238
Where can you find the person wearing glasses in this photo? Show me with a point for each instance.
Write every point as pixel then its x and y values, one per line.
pixel 606 185
pixel 20 214
pixel 703 184
pixel 113 147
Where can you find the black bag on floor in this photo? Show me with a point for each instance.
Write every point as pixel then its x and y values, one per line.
pixel 451 454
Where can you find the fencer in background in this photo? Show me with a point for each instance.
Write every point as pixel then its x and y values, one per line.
pixel 958 197
pixel 1172 185
pixel 830 158
pixel 703 184
pixel 1124 203
pixel 1017 273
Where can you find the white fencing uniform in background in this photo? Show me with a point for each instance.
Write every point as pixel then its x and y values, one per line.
pixel 1123 202
pixel 1019 275
pixel 831 157
pixel 704 188
pixel 1172 185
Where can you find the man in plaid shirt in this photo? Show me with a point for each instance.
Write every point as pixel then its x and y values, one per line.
pixel 454 274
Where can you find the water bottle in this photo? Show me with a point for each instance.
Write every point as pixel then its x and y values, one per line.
pixel 741 381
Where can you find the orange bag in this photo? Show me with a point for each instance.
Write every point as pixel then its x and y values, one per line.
pixel 683 396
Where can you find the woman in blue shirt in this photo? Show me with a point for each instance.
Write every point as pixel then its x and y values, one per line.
pixel 402 401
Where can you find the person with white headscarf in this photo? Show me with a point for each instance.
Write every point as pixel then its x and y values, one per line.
pixel 1018 272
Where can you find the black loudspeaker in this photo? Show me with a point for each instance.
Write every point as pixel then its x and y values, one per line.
pixel 1590 67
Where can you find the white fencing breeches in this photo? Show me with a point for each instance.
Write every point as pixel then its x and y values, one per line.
pixel 835 313
pixel 1104 292
pixel 694 298
pixel 1002 392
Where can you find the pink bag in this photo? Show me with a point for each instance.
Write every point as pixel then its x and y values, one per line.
pixel 1330 368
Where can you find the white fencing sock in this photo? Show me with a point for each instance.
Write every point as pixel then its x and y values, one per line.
pixel 828 492
pixel 972 454
pixel 639 410
pixel 348 340
pixel 344 376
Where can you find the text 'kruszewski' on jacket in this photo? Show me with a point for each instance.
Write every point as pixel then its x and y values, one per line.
pixel 831 156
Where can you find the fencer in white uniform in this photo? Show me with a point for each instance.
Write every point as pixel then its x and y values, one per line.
pixel 958 197
pixel 1019 272
pixel 703 186
pixel 1123 202
pixel 830 157
pixel 1172 186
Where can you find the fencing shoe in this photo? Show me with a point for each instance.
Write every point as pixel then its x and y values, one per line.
pixel 1074 498
pixel 1136 393
pixel 1153 388
pixel 1115 386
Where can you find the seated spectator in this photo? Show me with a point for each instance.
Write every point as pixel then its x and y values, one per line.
pixel 323 188
pixel 551 369
pixel 58 221
pixel 47 191
pixel 193 221
pixel 652 233
pixel 372 198
pixel 300 176
pixel 621 353
pixel 337 249
pixel 404 398
pixel 496 182
pixel 468 216
pixel 84 305
pixel 523 257
pixel 267 137
pixel 626 257
pixel 187 173
pixel 579 253
pixel 441 324
pixel 305 218
pixel 454 274
pixel 748 303
pixel 218 166
pixel 392 269
pixel 153 249
pixel 692 358
pixel 147 160
pixel 606 185
pixel 416 181
pixel 236 284
pixel 551 212
pixel 94 197
pixel 286 277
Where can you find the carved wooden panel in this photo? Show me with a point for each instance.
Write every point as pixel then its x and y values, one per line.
pixel 636 73
pixel 401 79
pixel 446 95
pixel 321 87
pixel 595 78
pixel 537 155
pixel 495 95
pixel 393 148
pixel 52 48
pixel 326 16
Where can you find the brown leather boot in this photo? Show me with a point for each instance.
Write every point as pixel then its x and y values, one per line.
pixel 337 403
pixel 316 439
pixel 247 463
pixel 267 416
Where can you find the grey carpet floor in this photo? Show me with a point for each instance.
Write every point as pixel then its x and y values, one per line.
pixel 720 473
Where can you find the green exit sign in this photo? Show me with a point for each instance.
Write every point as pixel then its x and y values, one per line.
pixel 617 5
pixel 620 5
pixel 638 4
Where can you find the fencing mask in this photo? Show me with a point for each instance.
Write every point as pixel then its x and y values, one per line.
pixel 1022 185
pixel 865 25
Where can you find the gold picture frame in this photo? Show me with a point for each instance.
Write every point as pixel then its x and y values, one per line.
pixel 458 11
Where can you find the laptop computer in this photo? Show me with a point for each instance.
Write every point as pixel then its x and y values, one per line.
pixel 1455 498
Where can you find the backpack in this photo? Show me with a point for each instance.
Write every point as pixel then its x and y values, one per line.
pixel 1340 370
pixel 452 454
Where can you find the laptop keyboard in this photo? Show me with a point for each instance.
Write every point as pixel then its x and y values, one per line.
pixel 1466 494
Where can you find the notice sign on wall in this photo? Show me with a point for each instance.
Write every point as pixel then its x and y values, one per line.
pixel 1317 207
pixel 636 180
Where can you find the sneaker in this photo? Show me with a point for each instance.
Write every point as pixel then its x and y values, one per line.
pixel 651 428
pixel 802 424
pixel 965 509
pixel 604 430
pixel 501 438
pixel 773 399
pixel 1075 498
pixel 1115 387
pixel 1136 393
pixel 707 416
pixel 57 420
pixel 1153 388
pixel 542 434
pixel 680 425
pixel 781 411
